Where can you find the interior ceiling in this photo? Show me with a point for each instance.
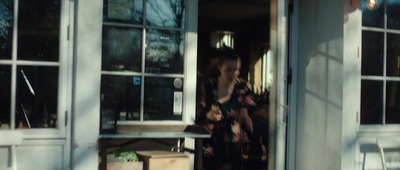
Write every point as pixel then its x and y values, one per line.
pixel 233 9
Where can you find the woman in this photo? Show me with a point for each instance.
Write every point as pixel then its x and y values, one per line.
pixel 224 107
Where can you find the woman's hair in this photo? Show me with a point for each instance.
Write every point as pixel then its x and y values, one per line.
pixel 222 55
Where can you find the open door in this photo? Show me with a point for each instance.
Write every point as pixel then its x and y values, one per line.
pixel 281 136
pixel 35 76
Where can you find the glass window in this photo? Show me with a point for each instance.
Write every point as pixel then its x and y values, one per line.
pixel 122 49
pixel 124 11
pixel 164 51
pixel 37 88
pixel 34 69
pixel 167 91
pixel 38 27
pixel 6 28
pixel 165 13
pixel 143 59
pixel 5 96
pixel 380 73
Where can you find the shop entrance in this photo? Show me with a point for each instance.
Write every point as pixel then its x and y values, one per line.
pixel 245 27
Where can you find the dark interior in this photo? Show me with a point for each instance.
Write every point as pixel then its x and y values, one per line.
pixel 249 21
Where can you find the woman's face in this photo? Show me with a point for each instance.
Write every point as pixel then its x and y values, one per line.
pixel 229 70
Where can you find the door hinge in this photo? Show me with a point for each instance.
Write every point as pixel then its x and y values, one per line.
pixel 68 33
pixel 290 7
pixel 289 76
pixel 66 118
pixel 358 52
pixel 357 116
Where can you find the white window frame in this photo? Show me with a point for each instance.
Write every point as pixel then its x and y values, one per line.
pixel 65 77
pixel 373 128
pixel 188 75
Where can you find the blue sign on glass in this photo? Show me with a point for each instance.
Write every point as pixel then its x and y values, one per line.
pixel 136 80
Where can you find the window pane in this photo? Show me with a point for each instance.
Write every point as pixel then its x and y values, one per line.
pixel 6 28
pixel 122 49
pixel 123 11
pixel 393 55
pixel 164 51
pixel 392 102
pixel 371 102
pixel 373 16
pixel 372 53
pixel 121 93
pixel 163 98
pixel 165 13
pixel 5 96
pixel 37 89
pixel 38 30
pixel 393 14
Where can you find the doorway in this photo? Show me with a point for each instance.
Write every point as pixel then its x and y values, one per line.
pixel 245 27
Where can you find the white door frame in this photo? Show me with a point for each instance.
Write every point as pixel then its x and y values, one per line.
pixel 292 88
pixel 279 108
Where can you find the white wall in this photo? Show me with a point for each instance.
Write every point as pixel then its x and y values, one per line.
pixel 320 85
pixel 351 84
pixel 86 92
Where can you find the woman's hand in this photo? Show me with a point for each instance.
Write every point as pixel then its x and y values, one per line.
pixel 214 114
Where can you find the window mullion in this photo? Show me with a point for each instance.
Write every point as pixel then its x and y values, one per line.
pixel 142 76
pixel 143 63
pixel 14 67
pixel 384 63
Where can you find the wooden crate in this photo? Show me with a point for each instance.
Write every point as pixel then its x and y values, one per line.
pixel 125 165
pixel 165 160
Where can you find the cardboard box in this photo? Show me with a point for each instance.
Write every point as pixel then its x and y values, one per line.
pixel 114 163
pixel 125 165
pixel 165 160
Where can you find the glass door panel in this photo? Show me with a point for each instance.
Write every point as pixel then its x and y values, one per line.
pixel 6 28
pixel 5 96
pixel 38 30
pixel 36 103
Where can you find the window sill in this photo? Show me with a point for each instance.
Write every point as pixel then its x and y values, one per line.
pixel 367 130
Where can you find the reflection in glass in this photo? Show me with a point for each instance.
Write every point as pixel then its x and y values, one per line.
pixel 392 102
pixel 165 13
pixel 371 102
pixel 164 51
pixel 122 49
pixel 160 97
pixel 6 27
pixel 372 53
pixel 37 89
pixel 38 30
pixel 128 11
pixel 393 55
pixel 5 96
pixel 393 14
pixel 121 94
pixel 373 17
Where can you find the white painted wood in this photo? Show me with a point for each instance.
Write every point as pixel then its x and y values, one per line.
pixel 292 98
pixel 351 83
pixel 320 85
pixel 45 156
pixel 87 74
pixel 278 34
pixel 8 138
pixel 388 143
pixel 190 69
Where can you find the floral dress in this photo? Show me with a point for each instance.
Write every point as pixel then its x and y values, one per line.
pixel 228 134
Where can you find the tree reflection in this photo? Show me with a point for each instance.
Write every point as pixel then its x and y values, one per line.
pixel 6 25
pixel 167 13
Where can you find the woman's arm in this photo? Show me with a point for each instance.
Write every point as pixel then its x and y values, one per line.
pixel 254 111
pixel 207 112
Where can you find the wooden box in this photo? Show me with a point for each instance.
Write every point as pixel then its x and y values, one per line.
pixel 125 165
pixel 165 160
